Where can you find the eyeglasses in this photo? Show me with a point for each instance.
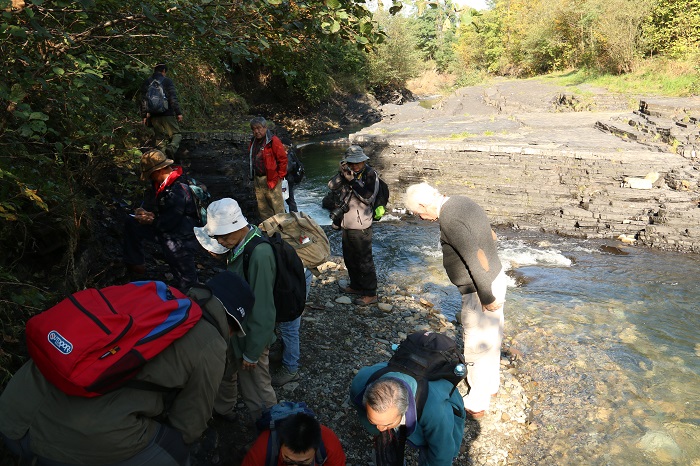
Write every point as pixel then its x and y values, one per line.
pixel 288 462
pixel 217 236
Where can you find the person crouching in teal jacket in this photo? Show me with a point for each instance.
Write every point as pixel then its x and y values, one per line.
pixel 388 405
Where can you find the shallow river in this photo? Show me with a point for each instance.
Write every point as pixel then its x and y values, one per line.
pixel 612 338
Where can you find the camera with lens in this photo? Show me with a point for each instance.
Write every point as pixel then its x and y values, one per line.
pixel 338 212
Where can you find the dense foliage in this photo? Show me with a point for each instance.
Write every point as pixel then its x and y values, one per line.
pixel 72 69
pixel 68 105
pixel 528 37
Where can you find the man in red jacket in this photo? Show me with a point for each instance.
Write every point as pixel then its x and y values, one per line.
pixel 268 167
pixel 301 440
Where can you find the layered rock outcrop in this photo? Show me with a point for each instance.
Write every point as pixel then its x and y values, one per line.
pixel 535 158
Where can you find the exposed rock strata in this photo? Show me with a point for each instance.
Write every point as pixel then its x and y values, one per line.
pixel 532 166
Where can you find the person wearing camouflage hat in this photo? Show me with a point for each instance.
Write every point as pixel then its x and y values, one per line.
pixel 167 215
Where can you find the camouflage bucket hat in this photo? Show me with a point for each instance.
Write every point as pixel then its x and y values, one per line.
pixel 151 161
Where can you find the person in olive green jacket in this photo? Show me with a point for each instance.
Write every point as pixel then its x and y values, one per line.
pixel 226 233
pixel 130 426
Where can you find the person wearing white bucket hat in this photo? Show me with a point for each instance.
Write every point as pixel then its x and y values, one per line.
pixel 226 233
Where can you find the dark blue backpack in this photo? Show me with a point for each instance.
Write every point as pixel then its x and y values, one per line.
pixel 156 100
pixel 271 419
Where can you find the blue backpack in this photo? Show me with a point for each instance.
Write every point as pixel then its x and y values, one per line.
pixel 271 419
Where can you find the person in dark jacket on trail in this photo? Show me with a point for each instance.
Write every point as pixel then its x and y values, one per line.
pixel 131 426
pixel 167 215
pixel 268 167
pixel 166 124
pixel 292 168
pixel 471 261
pixel 357 185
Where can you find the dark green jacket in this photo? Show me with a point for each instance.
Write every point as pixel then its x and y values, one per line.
pixel 113 427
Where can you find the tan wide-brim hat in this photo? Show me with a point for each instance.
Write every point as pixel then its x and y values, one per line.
pixel 151 161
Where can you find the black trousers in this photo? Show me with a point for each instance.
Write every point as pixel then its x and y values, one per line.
pixel 290 200
pixel 357 253
pixel 179 252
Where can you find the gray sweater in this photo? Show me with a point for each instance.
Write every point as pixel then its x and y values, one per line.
pixel 468 247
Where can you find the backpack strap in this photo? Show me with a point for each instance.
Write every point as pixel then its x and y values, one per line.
pixel 321 455
pixel 248 251
pixel 273 449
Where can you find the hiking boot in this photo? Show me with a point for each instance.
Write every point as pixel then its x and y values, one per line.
pixel 365 300
pixel 283 376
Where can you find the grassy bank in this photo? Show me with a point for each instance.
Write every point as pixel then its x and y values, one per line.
pixel 655 76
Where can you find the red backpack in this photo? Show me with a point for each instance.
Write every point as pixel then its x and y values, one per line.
pixel 94 341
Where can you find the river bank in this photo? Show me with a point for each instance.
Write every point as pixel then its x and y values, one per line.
pixel 572 186
pixel 545 386
pixel 338 338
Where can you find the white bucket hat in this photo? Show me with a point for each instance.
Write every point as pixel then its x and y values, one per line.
pixel 223 217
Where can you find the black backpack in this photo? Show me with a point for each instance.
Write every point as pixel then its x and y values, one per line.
pixel 382 198
pixel 426 356
pixel 156 100
pixel 290 281
pixel 295 169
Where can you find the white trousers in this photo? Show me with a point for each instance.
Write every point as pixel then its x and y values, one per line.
pixel 483 334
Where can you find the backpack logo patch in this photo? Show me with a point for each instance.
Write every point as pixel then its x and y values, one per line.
pixel 60 343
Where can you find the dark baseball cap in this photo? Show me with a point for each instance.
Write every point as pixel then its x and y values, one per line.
pixel 235 296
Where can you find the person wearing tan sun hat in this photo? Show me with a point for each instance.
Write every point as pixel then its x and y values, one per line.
pixel 225 235
pixel 167 216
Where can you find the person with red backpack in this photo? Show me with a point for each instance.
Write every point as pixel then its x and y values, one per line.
pixel 151 418
pixel 168 216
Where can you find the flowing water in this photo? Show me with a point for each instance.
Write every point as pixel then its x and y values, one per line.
pixel 612 334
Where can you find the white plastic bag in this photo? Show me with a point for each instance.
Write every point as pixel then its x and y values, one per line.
pixel 285 189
